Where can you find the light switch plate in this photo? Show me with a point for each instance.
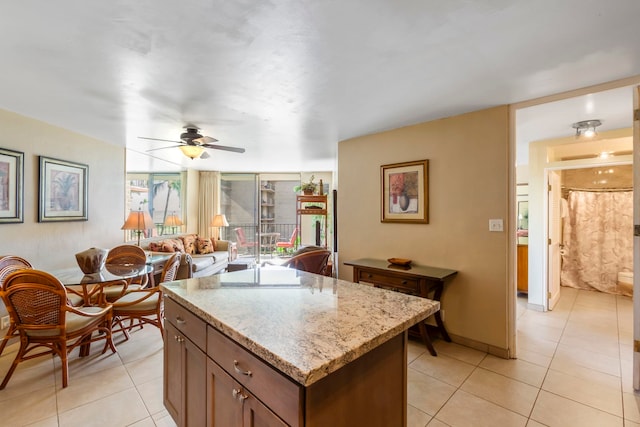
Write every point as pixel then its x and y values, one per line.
pixel 495 225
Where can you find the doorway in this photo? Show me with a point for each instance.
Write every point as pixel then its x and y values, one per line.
pixel 538 163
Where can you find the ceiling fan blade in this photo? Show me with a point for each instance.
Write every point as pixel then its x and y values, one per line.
pixel 223 147
pixel 205 140
pixel 158 139
pixel 163 148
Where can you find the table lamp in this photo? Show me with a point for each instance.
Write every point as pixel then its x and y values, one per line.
pixel 138 221
pixel 173 221
pixel 219 221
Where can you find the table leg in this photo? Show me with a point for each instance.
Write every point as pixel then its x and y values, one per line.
pixel 436 296
pixel 425 337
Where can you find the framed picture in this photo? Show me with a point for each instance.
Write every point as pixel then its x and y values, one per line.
pixel 405 192
pixel 63 190
pixel 11 186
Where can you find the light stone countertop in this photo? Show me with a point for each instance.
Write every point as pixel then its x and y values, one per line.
pixel 305 325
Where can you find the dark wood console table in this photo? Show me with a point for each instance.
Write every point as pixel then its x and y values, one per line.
pixel 416 280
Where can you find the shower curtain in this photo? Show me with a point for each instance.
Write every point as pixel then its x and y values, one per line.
pixel 598 240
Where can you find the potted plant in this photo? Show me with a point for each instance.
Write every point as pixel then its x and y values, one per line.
pixel 308 188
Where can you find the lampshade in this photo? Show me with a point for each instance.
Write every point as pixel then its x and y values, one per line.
pixel 191 151
pixel 138 220
pixel 219 221
pixel 172 221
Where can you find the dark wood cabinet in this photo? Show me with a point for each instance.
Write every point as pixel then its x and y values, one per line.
pixel 231 404
pixel 184 368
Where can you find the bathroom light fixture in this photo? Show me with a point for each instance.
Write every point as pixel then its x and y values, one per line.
pixel 192 151
pixel 586 128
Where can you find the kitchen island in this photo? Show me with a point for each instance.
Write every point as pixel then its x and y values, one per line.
pixel 277 347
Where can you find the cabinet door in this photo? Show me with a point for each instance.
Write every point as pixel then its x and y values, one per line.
pixel 224 408
pixel 184 379
pixel 173 372
pixel 231 405
pixel 257 415
pixel 194 385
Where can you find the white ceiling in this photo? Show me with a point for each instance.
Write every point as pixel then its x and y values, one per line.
pixel 287 80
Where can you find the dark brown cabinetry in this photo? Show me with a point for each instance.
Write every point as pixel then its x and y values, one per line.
pixel 184 366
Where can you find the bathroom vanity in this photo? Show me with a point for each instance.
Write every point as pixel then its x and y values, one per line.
pixel 281 347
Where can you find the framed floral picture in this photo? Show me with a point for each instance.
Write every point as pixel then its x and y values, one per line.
pixel 11 186
pixel 405 192
pixel 63 190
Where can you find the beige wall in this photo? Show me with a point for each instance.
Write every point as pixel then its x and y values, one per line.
pixel 53 245
pixel 468 185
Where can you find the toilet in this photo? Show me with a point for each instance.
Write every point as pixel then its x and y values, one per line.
pixel 625 282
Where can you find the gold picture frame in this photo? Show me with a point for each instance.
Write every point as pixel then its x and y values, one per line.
pixel 405 192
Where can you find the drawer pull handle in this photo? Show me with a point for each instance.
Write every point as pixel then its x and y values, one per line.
pixel 404 282
pixel 180 320
pixel 369 276
pixel 240 371
pixel 237 394
pixel 179 338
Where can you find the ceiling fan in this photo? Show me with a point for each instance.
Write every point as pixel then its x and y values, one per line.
pixel 193 144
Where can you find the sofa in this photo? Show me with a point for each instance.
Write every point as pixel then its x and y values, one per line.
pixel 200 256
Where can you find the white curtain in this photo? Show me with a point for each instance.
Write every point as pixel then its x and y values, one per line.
pixel 208 201
pixel 598 240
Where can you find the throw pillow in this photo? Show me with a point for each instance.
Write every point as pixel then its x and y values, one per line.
pixel 204 246
pixel 178 246
pixel 189 241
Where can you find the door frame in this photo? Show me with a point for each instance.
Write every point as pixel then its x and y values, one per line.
pixel 513 241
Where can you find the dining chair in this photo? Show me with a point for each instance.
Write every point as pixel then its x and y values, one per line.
pixel 9 264
pixel 47 324
pixel 126 255
pixel 291 243
pixel 242 239
pixel 312 262
pixel 144 305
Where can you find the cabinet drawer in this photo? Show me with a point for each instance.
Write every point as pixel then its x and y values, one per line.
pixel 186 322
pixel 276 391
pixel 400 283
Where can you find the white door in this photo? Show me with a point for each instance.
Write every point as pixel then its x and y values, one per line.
pixel 554 239
pixel 636 238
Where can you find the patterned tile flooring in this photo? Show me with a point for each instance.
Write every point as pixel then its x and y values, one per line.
pixel 574 369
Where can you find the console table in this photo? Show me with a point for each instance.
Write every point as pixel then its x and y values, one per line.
pixel 417 280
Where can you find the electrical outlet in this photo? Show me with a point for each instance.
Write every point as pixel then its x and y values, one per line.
pixel 4 322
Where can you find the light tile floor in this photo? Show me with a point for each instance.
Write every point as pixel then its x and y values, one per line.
pixel 574 369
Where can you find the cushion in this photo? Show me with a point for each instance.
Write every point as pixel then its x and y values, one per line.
pixel 189 241
pixel 204 246
pixel 168 245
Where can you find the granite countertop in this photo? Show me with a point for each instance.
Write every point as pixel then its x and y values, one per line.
pixel 305 325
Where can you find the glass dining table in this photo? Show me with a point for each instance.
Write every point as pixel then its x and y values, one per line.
pixel 73 278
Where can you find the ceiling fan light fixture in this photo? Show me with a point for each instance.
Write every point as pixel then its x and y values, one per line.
pixel 191 151
pixel 586 128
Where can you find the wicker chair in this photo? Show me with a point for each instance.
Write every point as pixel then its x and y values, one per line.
pixel 9 264
pixel 47 324
pixel 126 254
pixel 142 306
pixel 312 262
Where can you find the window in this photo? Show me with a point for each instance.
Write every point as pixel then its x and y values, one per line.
pixel 162 194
